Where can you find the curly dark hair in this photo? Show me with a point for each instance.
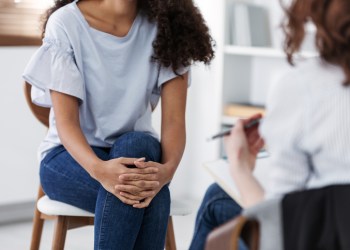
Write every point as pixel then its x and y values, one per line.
pixel 332 21
pixel 183 36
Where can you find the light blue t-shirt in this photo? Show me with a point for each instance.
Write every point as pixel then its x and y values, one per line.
pixel 113 77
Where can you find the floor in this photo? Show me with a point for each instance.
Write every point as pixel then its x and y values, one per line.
pixel 17 236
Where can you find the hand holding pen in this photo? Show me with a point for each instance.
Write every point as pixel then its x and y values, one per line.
pixel 244 143
pixel 250 124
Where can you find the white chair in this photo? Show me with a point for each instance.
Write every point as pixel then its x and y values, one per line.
pixel 68 217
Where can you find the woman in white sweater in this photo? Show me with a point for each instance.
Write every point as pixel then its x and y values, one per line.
pixel 306 128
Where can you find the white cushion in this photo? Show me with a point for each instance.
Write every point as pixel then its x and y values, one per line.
pixel 51 207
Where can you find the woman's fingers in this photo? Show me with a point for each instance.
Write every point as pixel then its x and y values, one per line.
pixel 143 204
pixel 253 136
pixel 126 200
pixel 148 170
pixel 139 197
pixel 144 184
pixel 136 190
pixel 259 145
pixel 252 118
pixel 130 161
pixel 137 177
pixel 140 164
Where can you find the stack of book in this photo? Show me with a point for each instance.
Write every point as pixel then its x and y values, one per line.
pixel 233 112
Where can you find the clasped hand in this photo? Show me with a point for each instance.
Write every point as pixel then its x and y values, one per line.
pixel 133 186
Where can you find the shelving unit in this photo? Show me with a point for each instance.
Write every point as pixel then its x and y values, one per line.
pixel 261 52
pixel 249 71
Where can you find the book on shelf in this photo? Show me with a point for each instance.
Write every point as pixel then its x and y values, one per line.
pixel 242 110
pixel 220 172
pixel 249 25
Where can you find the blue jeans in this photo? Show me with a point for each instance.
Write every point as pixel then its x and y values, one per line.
pixel 217 208
pixel 117 225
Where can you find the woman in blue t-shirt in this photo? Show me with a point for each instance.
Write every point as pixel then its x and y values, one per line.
pixel 102 68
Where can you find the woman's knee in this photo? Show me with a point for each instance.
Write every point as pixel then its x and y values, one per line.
pixel 136 145
pixel 217 206
pixel 214 190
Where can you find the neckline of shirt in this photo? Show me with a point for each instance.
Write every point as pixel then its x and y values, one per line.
pixel 118 38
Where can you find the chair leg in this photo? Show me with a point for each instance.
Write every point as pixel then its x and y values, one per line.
pixel 60 233
pixel 170 243
pixel 38 224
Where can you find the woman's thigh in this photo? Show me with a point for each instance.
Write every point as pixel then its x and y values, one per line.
pixel 63 179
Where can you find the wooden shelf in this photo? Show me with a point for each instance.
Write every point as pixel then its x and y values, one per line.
pixel 262 52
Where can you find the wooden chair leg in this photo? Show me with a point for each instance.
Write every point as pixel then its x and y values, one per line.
pixel 60 233
pixel 170 243
pixel 38 224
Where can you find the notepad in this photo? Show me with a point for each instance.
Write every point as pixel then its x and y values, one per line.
pixel 220 172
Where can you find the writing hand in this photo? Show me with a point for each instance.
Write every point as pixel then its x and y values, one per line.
pixel 243 145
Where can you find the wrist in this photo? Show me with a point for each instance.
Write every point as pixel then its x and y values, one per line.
pixel 170 170
pixel 94 168
pixel 239 169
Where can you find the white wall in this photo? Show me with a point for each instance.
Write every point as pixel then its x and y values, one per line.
pixel 20 133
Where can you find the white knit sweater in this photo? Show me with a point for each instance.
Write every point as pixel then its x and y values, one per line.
pixel 307 129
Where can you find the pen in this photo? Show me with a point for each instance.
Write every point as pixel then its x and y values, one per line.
pixel 227 132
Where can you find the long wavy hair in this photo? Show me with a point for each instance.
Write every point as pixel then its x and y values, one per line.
pixel 332 21
pixel 183 36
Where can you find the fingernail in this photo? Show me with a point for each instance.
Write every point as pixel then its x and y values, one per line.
pixel 141 159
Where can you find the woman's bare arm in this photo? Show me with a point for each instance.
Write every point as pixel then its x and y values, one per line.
pixel 66 110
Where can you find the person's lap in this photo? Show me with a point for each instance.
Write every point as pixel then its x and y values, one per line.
pixel 63 179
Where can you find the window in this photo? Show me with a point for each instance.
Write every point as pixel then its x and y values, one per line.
pixel 20 21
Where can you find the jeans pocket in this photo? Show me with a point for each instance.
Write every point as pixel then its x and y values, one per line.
pixel 53 153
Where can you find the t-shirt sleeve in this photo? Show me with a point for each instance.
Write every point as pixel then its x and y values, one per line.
pixel 53 67
pixel 284 129
pixel 165 75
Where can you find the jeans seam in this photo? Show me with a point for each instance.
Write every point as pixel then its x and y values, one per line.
pixel 102 220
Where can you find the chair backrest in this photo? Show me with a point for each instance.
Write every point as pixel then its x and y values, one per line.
pixel 41 113
pixel 228 235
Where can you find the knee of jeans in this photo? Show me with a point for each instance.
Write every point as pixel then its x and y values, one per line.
pixel 214 190
pixel 136 145
pixel 215 194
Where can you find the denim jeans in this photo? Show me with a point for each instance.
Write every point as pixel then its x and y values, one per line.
pixel 117 225
pixel 217 208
